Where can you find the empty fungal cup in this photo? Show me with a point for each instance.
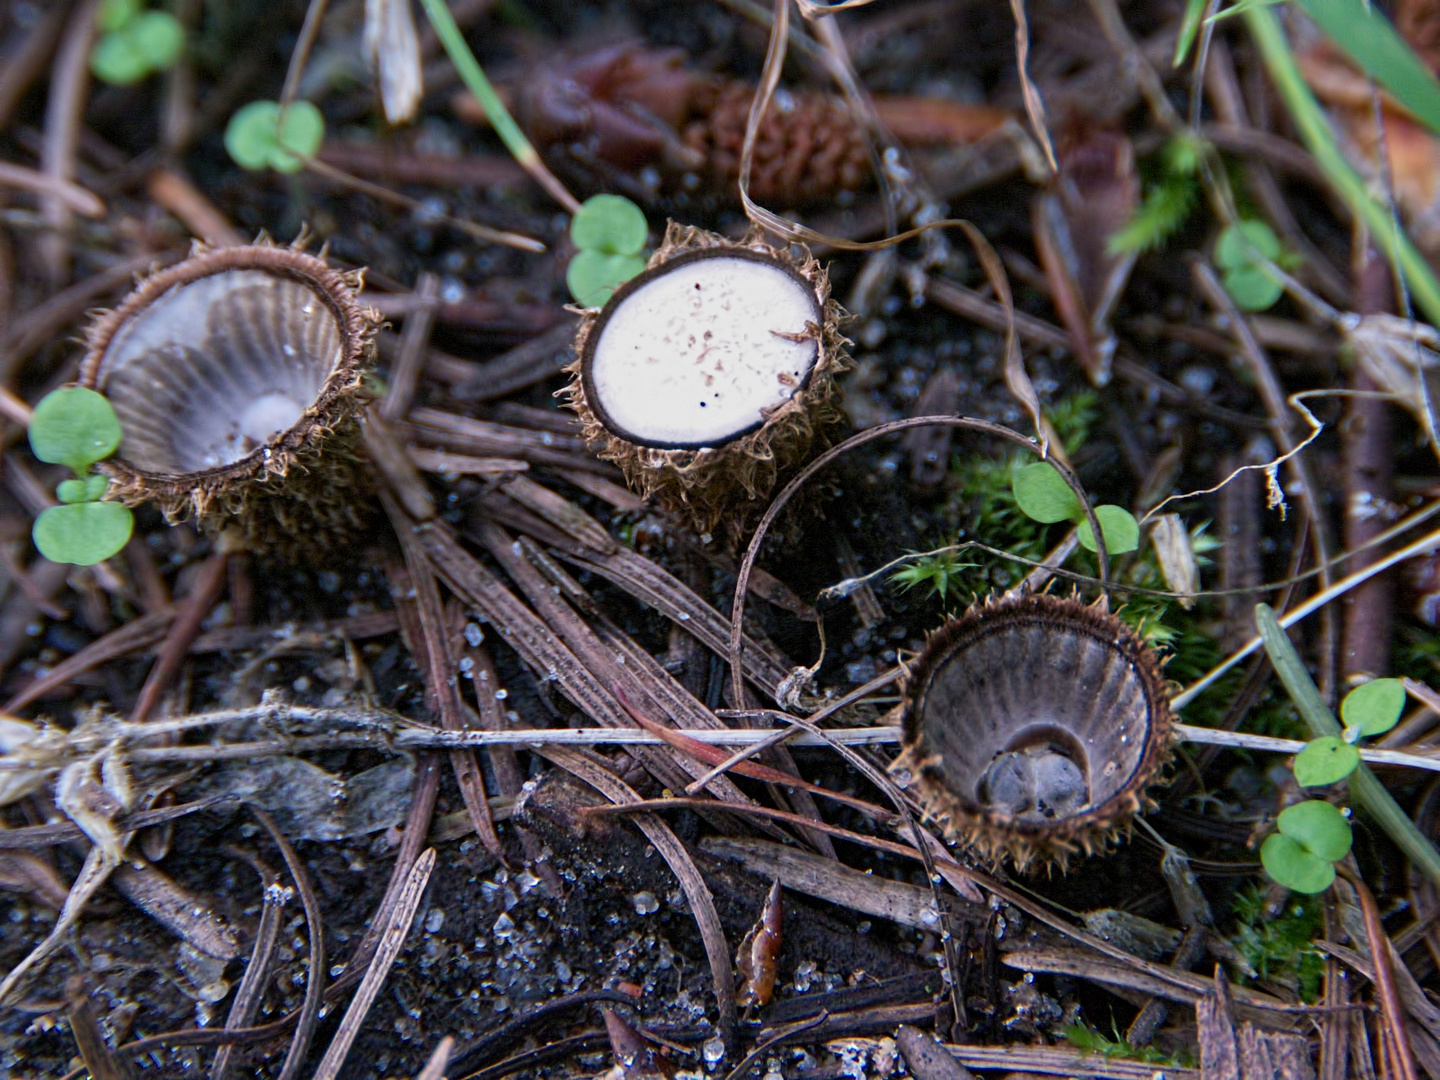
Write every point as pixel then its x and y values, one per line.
pixel 1033 726
pixel 236 376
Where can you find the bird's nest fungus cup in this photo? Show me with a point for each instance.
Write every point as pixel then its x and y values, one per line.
pixel 1033 726
pixel 710 373
pixel 237 376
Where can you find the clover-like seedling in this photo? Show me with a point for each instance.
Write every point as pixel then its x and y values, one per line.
pixel 1241 252
pixel 76 427
pixel 609 232
pixel 134 43
pixel 1372 708
pixel 1043 495
pixel 1324 761
pixel 263 135
pixel 1313 836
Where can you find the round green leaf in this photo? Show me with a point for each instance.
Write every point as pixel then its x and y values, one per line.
pixel 74 426
pixel 1318 827
pixel 301 132
pixel 1252 288
pixel 255 139
pixel 95 486
pixel 1374 707
pixel 250 137
pixel 83 533
pixel 158 37
pixel 1326 760
pixel 593 276
pixel 116 60
pixel 1117 525
pixel 1043 495
pixel 610 224
pixel 116 14
pixel 1291 865
pixel 1232 252
pixel 71 491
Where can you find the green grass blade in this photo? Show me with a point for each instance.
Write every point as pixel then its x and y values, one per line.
pixel 1365 788
pixel 1315 129
pixel 1370 39
pixel 500 119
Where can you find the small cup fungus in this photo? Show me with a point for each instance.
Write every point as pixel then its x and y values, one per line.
pixel 708 374
pixel 237 377
pixel 1033 726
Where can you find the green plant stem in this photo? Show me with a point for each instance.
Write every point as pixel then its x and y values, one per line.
pixel 1370 38
pixel 500 119
pixel 1365 788
pixel 1315 129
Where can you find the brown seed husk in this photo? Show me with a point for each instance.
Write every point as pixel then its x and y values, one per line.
pixel 728 482
pixel 304 490
pixel 1024 655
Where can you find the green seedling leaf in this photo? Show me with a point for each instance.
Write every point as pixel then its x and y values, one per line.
pixel 1375 707
pixel 593 276
pixel 83 533
pixel 1189 27
pixel 1239 8
pixel 609 224
pixel 136 46
pixel 96 486
pixel 1291 865
pixel 75 427
pixel 72 491
pixel 1326 760
pixel 1043 495
pixel 1252 288
pixel 1318 827
pixel 1117 525
pixel 256 138
pixel 158 37
pixel 1232 251
pixel 117 61
pixel 116 14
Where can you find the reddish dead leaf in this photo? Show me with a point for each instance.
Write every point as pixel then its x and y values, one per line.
pixel 716 755
pixel 1413 151
pixel 1092 195
pixel 636 1057
pixel 759 953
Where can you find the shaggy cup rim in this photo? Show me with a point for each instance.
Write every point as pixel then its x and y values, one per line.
pixel 335 402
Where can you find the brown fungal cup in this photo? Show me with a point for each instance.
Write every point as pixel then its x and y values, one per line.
pixel 1033 726
pixel 237 376
pixel 710 373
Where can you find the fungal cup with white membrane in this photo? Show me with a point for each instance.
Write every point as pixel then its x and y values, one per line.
pixel 216 368
pixel 701 352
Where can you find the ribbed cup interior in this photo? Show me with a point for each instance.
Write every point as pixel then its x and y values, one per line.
pixel 1028 681
pixel 216 368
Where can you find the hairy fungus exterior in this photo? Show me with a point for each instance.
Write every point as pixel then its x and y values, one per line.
pixel 670 366
pixel 1033 726
pixel 237 377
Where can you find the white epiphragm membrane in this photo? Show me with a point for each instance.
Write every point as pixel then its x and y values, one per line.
pixel 699 354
